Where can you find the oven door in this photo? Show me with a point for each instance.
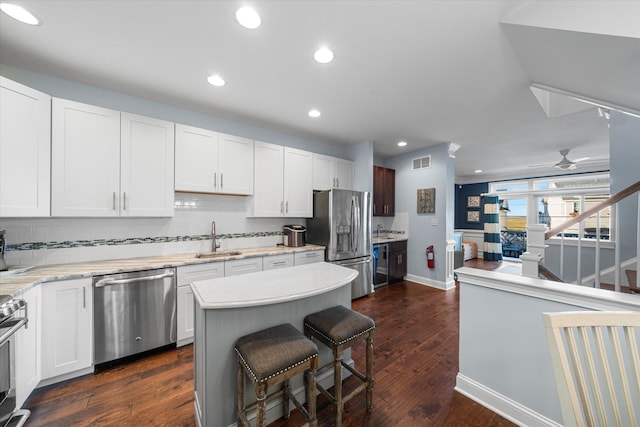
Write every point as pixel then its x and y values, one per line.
pixel 7 371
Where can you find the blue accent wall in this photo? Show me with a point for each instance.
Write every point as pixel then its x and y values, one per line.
pixel 462 191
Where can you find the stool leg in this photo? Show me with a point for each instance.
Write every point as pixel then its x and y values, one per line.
pixel 370 371
pixel 337 385
pixel 311 392
pixel 285 399
pixel 261 395
pixel 240 386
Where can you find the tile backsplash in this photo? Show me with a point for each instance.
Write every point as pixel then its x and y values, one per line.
pixel 38 241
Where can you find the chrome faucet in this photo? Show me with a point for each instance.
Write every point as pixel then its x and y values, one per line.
pixel 214 244
pixel 378 228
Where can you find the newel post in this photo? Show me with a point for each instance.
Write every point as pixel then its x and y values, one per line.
pixel 535 250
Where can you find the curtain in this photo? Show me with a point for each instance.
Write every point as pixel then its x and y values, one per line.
pixel 491 217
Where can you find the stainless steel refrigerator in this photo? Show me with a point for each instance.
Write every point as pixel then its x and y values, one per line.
pixel 342 223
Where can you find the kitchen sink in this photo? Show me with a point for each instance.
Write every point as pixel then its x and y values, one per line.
pixel 217 254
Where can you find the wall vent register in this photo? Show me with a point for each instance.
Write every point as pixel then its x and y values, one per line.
pixel 422 163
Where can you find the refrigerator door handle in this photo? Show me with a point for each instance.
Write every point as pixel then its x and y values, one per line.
pixel 352 262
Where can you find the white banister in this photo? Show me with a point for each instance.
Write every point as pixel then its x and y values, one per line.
pixel 579 253
pixel 638 246
pixel 562 255
pixel 536 247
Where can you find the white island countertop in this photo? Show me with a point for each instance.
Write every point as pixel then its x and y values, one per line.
pixel 271 287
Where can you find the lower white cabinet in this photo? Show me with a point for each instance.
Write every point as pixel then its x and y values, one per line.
pixel 273 262
pixel 301 258
pixel 67 327
pixel 28 348
pixel 184 310
pixel 242 266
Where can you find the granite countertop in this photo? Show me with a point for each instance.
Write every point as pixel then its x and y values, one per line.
pixel 16 283
pixel 271 286
pixel 388 239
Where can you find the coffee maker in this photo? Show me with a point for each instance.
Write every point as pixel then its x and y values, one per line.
pixel 3 264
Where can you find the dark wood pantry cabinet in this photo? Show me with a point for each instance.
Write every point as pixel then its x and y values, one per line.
pixel 384 191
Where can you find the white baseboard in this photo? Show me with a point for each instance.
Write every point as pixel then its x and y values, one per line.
pixel 501 405
pixel 444 286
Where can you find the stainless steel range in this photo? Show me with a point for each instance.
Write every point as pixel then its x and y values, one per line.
pixel 9 325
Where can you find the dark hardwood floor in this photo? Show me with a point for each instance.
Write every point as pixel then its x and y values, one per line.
pixel 415 365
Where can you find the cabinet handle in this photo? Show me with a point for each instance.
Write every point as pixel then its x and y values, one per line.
pixel 215 179
pixel 286 207
pixel 280 263
pixel 399 258
pixel 337 182
pixel 114 200
pixel 221 180
pixel 281 206
pixel 84 297
pixel 124 201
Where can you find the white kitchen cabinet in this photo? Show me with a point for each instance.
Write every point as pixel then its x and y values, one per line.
pixel 235 267
pixel 25 150
pixel 184 310
pixel 105 163
pixel 331 172
pixel 146 166
pixel 28 348
pixel 211 162
pixel 301 258
pixel 272 262
pixel 67 327
pixel 282 182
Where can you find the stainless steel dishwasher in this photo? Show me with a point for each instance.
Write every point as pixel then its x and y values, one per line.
pixel 133 312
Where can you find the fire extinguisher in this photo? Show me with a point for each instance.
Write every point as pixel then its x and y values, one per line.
pixel 431 263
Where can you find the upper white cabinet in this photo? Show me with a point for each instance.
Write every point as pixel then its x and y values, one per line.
pixel 332 172
pixel 211 162
pixel 107 163
pixel 25 150
pixel 282 182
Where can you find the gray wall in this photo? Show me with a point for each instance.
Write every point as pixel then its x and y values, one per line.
pixel 122 102
pixel 362 155
pixel 624 150
pixel 422 232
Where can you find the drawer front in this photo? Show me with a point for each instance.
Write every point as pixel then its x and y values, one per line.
pixel 301 258
pixel 242 266
pixel 192 273
pixel 277 261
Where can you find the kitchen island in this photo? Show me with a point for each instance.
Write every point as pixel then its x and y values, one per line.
pixel 230 307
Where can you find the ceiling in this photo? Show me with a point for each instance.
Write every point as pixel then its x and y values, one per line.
pixel 426 72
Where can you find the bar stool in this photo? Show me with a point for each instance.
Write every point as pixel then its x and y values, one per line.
pixel 273 356
pixel 339 328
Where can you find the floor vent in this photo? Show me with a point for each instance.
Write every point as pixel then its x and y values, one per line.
pixel 422 163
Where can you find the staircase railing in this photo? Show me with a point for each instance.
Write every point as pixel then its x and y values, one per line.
pixel 538 236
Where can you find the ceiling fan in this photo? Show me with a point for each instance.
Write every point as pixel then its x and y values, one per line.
pixel 565 163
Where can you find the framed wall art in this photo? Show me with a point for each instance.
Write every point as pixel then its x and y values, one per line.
pixel 473 201
pixel 426 200
pixel 473 216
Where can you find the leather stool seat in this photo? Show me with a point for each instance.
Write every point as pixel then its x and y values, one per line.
pixel 273 356
pixel 339 328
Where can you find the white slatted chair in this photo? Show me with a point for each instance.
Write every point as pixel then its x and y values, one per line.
pixel 596 362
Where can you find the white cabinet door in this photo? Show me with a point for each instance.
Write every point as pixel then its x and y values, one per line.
pixel 344 174
pixel 268 175
pixel 28 348
pixel 85 164
pixel 197 160
pixel 236 165
pixel 298 188
pixel 242 266
pixel 274 262
pixel 323 172
pixel 67 327
pixel 25 151
pixel 185 276
pixel 310 257
pixel 146 166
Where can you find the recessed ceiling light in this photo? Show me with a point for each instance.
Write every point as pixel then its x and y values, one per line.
pixel 478 171
pixel 402 144
pixel 323 55
pixel 19 13
pixel 216 80
pixel 314 113
pixel 248 17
